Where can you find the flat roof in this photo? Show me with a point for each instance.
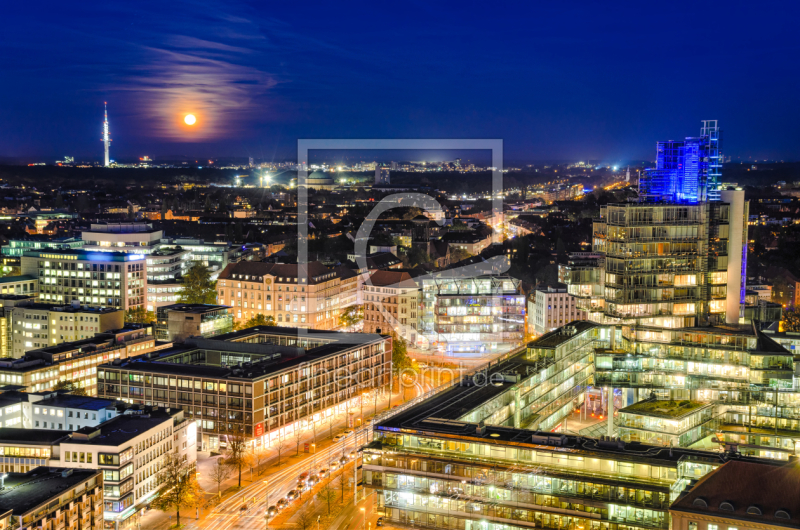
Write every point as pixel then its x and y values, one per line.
pixel 121 429
pixel 32 436
pixel 22 492
pixel 71 401
pixel 193 308
pixel 15 279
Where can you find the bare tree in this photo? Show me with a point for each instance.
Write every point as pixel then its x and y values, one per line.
pixel 179 487
pixel 297 434
pixel 219 474
pixel 327 494
pixel 330 424
pixel 305 519
pixel 341 482
pixel 280 446
pixel 260 455
pixel 238 456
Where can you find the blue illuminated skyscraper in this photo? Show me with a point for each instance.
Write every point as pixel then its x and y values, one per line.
pixel 686 171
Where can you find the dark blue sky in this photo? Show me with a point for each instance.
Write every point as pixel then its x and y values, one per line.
pixel 555 80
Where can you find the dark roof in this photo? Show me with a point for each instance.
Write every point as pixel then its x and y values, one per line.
pixel 744 485
pixel 76 402
pixel 32 436
pixel 15 279
pixel 192 308
pixel 392 278
pixel 121 429
pixel 314 270
pixel 22 492
pixel 381 260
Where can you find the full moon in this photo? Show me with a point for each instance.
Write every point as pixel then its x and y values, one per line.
pixel 190 119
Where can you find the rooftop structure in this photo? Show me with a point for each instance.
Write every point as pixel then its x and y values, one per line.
pixel 177 322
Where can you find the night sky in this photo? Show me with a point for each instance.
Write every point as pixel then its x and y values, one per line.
pixel 555 80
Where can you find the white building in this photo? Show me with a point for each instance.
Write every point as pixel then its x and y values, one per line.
pixel 134 238
pixel 54 410
pixel 551 308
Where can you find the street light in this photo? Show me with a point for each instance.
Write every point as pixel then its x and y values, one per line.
pixel 364 511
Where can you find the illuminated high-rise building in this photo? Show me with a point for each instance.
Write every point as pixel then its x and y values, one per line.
pixel 106 139
pixel 686 171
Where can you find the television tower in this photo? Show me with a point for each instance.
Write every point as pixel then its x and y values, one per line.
pixel 105 138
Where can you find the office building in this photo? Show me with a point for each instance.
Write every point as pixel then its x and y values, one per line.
pixel 69 499
pixel 177 322
pixel 24 284
pixel 261 383
pixel 472 316
pixel 55 410
pixel 550 308
pixel 130 238
pixel 127 449
pixel 75 361
pixel 686 171
pixel 165 270
pixel 38 325
pixel 7 304
pixel 13 251
pixel 95 279
pixel 476 457
pixel 294 295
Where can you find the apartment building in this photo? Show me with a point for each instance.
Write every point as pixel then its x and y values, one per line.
pixel 7 303
pixel 68 499
pixel 74 361
pixel 261 383
pixel 392 303
pixel 550 308
pixel 96 279
pixel 298 296
pixel 39 325
pixel 177 322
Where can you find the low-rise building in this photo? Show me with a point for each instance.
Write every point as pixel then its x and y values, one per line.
pixel 69 499
pixel 177 322
pixel 24 284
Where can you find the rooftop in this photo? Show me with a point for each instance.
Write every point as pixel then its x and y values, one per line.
pixel 665 409
pixel 193 308
pixel 122 429
pixel 23 492
pixel 15 279
pixel 749 491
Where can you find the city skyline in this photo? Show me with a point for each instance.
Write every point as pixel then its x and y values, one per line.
pixel 554 86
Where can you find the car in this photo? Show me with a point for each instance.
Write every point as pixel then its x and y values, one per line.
pixel 292 495
pixel 312 481
pixel 283 503
pixel 243 507
pixel 352 455
pixel 334 465
pixel 379 522
pixel 339 437
pixel 324 473
pixel 348 432
pixel 343 460
pixel 272 511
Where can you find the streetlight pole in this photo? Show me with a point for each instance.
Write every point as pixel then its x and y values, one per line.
pixel 266 506
pixel 364 523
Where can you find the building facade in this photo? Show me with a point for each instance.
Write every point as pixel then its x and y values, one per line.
pixel 392 303
pixel 551 308
pixel 95 279
pixel 177 322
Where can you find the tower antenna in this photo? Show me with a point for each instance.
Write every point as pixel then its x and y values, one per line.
pixel 105 137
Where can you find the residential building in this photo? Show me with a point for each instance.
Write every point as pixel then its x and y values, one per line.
pixel 392 300
pixel 71 499
pixel 177 322
pixel 261 383
pixel 96 279
pixel 741 495
pixel 550 308
pixel 472 316
pixel 126 237
pixel 7 303
pixel 304 296
pixel 467 240
pixel 382 176
pixel 38 325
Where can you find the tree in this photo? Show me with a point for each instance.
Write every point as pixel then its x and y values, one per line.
pixel 259 320
pixel 238 457
pixel 305 519
pixel 327 494
pixel 198 287
pixel 219 474
pixel 341 482
pixel 330 424
pixel 179 487
pixel 70 387
pixel 140 315
pixel 351 316
pixel 297 434
pixel 9 271
pixel 400 358
pixel 260 455
pixel 790 321
pixel 280 447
